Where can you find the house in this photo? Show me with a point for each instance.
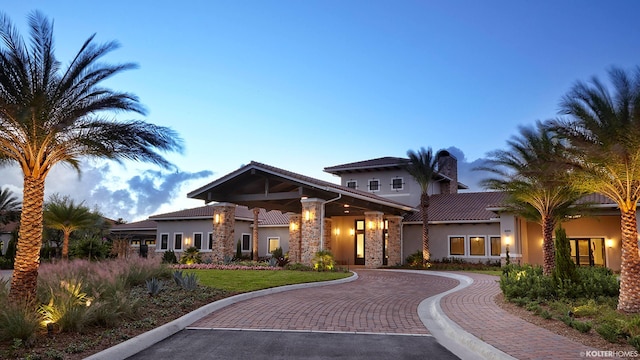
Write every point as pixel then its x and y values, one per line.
pixel 370 218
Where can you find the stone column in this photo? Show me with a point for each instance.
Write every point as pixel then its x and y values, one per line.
pixel 394 230
pixel 311 232
pixel 256 212
pixel 224 218
pixel 295 237
pixel 328 228
pixel 373 242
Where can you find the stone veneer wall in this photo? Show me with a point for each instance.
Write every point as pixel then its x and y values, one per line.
pixel 328 228
pixel 373 242
pixel 295 238
pixel 311 231
pixel 223 244
pixel 394 247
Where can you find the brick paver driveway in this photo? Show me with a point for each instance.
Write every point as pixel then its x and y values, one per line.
pixel 377 302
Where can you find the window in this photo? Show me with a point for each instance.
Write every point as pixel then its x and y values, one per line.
pixel 274 243
pixel 374 185
pixel 135 242
pixel 352 184
pixel 177 241
pixel 397 184
pixel 477 246
pixel 456 245
pixel 495 246
pixel 197 240
pixel 246 242
pixel 164 241
pixel 150 242
pixel 210 241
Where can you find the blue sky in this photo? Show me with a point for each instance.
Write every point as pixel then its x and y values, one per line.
pixel 304 85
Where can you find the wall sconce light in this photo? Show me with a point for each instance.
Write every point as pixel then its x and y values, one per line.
pixel 187 241
pixel 216 219
pixel 507 240
pixel 371 225
pixel 307 215
pixel 609 243
pixel 381 225
pixel 352 232
pixel 337 231
pixel 293 226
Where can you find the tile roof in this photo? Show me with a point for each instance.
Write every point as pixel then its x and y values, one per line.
pixel 273 217
pixel 137 225
pixel 460 207
pixel 383 162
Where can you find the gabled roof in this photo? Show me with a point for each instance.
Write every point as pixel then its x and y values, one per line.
pixel 460 208
pixel 206 212
pixel 268 187
pixel 136 225
pixel 381 164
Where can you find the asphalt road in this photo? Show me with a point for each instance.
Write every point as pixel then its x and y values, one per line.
pixel 195 344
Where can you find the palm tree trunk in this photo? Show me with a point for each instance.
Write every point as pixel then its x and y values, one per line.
pixel 25 270
pixel 65 245
pixel 426 253
pixel 548 248
pixel 629 300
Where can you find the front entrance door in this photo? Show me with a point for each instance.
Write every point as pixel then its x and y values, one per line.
pixel 588 252
pixel 359 242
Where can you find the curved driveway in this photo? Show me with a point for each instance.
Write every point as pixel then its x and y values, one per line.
pixel 377 302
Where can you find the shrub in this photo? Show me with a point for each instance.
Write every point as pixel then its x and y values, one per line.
pixel 154 286
pixel 582 326
pixel 526 281
pixel 191 256
pixel 323 261
pixel 415 259
pixel 187 282
pixel 90 248
pixel 529 281
pixel 632 326
pixel 635 342
pixel 609 330
pixel 18 321
pixel 280 258
pixel 169 257
pixel 68 306
pixel 565 269
pixel 238 250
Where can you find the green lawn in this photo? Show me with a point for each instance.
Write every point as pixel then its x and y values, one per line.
pixel 251 280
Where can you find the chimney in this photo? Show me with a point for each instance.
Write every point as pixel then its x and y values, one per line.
pixel 448 166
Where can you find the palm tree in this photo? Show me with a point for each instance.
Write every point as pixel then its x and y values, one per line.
pixel 10 206
pixel 64 215
pixel 531 172
pixel 422 167
pixel 603 128
pixel 51 115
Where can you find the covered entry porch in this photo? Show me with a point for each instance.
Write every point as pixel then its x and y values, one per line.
pixel 356 226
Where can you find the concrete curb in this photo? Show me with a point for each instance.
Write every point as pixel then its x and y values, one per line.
pixel 147 339
pixel 448 333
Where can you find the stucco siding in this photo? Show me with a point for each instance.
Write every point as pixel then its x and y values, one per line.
pixel 606 227
pixel 439 236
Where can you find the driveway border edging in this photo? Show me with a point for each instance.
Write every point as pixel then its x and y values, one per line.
pixel 448 333
pixel 138 343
